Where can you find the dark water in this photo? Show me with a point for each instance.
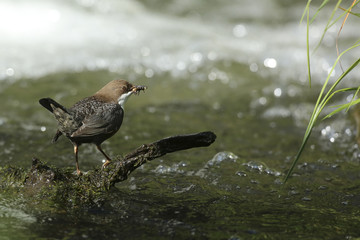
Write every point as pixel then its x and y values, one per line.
pixel 237 69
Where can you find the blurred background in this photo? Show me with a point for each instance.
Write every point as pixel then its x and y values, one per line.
pixel 237 68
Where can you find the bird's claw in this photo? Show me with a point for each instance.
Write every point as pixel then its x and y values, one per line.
pixel 105 164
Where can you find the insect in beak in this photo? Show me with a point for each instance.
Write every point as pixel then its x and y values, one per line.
pixel 137 89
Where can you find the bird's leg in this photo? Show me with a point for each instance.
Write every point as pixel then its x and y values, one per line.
pixel 76 159
pixel 108 160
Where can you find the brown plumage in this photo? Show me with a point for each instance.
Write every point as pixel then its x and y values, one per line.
pixel 93 119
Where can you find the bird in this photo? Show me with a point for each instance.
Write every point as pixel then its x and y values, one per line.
pixel 93 119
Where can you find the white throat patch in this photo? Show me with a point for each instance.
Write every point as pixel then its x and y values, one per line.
pixel 122 99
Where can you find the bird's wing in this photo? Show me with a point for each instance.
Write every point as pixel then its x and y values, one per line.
pixel 105 120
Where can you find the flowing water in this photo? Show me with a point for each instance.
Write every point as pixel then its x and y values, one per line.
pixel 237 68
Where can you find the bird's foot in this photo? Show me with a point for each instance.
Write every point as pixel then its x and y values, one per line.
pixel 105 164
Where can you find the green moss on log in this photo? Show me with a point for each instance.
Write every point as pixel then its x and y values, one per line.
pixel 63 187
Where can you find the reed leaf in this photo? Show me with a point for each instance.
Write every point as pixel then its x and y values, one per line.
pixel 320 104
pixel 339 108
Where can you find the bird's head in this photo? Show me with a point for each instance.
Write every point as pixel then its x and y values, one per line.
pixel 118 91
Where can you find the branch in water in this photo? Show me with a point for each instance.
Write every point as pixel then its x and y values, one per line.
pixel 65 187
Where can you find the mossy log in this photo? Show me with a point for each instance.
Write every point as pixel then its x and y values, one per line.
pixel 64 187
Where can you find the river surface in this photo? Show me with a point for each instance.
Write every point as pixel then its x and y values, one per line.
pixel 237 68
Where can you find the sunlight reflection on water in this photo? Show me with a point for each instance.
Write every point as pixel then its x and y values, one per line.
pixel 42 38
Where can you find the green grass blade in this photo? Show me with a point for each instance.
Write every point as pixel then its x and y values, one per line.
pixel 341 107
pixel 307 7
pixel 352 13
pixel 319 106
pixel 301 149
pixel 323 98
pixel 318 10
pixel 328 24
pixel 331 91
pixel 342 76
pixel 353 98
pixel 308 46
pixel 319 101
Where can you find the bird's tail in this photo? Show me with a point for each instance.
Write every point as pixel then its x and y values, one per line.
pixel 57 135
pixel 62 115
pixel 47 102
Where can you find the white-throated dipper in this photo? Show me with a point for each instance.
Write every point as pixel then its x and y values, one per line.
pixel 93 119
